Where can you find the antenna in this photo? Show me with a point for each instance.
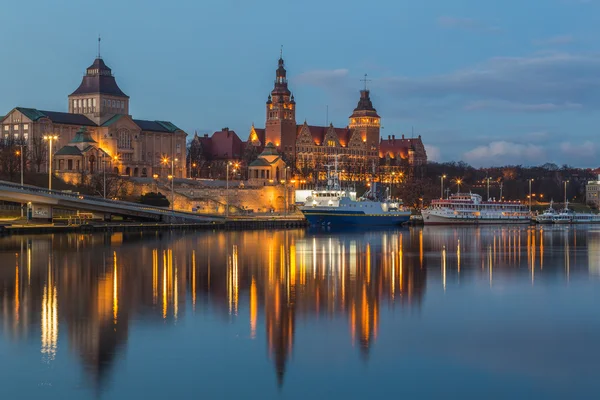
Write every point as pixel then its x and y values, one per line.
pixel 281 52
pixel 99 39
pixel 365 80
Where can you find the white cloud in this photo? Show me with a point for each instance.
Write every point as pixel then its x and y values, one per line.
pixel 583 150
pixel 503 153
pixel 555 40
pixel 433 152
pixel 465 23
pixel 321 77
pixel 555 78
pixel 502 105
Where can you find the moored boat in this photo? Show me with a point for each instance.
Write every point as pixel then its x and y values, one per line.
pixel 469 209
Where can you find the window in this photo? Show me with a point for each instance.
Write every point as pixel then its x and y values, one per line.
pixel 25 127
pixel 16 136
pixel 124 139
pixel 113 104
pixel 70 165
pixel 77 164
pixel 6 128
pixel 15 127
pixel 94 105
pixel 74 105
pixel 178 148
pixel 26 136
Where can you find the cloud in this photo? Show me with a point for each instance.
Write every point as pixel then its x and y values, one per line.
pixel 503 153
pixel 469 24
pixel 501 105
pixel 433 153
pixel 556 78
pixel 584 150
pixel 554 40
pixel 321 77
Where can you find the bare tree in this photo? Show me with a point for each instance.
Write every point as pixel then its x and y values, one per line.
pixel 38 153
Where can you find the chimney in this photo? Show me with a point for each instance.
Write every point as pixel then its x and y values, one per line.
pixel 206 135
pixel 393 139
pixel 389 138
pixel 403 136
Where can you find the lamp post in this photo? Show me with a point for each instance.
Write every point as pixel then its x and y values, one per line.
pixel 442 189
pixel 565 182
pixel 458 182
pixel 227 187
pixel 487 179
pixel 172 178
pixel 20 153
pixel 285 188
pixel 155 176
pixel 104 175
pixel 50 139
pixel 530 180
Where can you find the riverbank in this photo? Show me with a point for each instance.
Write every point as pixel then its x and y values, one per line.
pixel 17 227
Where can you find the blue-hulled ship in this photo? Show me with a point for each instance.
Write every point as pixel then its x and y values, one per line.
pixel 334 206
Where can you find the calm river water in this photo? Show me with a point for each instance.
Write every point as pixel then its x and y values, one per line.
pixel 441 312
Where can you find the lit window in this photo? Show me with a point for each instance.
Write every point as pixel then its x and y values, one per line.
pixel 26 136
pixel 113 104
pixel 6 128
pixel 25 127
pixel 16 136
pixel 15 127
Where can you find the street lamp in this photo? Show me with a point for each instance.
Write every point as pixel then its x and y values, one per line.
pixel 104 175
pixel 565 182
pixel 20 153
pixel 488 187
pixel 442 191
pixel 50 139
pixel 171 177
pixel 530 180
pixel 155 176
pixel 458 182
pixel 227 186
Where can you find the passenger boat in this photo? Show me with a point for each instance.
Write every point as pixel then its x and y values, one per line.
pixel 547 217
pixel 469 208
pixel 334 206
pixel 568 216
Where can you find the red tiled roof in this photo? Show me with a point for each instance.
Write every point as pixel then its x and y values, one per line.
pixel 226 144
pixel 398 148
pixel 318 133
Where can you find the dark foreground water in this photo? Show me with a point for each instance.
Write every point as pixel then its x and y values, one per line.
pixel 471 313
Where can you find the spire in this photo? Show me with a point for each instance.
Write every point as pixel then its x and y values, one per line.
pixel 365 80
pixel 281 77
pixel 99 39
pixel 281 53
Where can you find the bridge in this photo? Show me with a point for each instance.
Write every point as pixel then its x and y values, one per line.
pixel 49 199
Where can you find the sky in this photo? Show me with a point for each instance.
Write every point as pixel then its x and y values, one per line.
pixel 485 82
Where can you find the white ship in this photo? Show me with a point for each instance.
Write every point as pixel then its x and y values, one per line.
pixel 469 208
pixel 568 216
pixel 547 217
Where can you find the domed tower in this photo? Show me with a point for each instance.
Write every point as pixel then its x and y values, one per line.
pixel 98 96
pixel 280 127
pixel 365 120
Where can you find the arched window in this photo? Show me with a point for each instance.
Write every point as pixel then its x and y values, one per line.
pixel 124 139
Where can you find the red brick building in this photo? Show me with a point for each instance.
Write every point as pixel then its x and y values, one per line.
pixel 358 146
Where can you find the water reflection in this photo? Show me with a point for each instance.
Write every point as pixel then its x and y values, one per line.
pixel 87 289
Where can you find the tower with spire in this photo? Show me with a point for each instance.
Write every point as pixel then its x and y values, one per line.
pixel 280 127
pixel 98 96
pixel 365 119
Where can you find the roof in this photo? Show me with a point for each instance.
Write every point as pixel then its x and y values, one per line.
pixel 112 120
pixel 399 147
pixel 226 144
pixel 260 162
pixel 365 106
pixel 156 126
pixel 99 79
pixel 57 117
pixel 83 136
pixel 68 151
pixel 318 133
pixel 270 150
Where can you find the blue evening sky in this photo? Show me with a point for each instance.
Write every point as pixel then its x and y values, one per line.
pixel 487 82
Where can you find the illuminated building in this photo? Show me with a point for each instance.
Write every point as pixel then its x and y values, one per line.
pixel 135 147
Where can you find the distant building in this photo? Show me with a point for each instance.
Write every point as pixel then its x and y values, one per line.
pixel 135 147
pixel 592 193
pixel 357 146
pixel 268 168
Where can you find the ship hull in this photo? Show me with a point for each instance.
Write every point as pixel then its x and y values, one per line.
pixel 434 219
pixel 339 218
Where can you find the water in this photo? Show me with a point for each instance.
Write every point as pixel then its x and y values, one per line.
pixel 491 312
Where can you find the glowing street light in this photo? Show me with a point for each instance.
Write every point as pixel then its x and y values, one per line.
pixel 165 161
pixel 530 180
pixel 235 166
pixel 442 191
pixel 50 139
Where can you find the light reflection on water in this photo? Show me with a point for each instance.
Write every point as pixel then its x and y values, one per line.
pixel 491 311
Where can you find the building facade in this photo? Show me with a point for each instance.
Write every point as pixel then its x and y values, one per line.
pixel 135 147
pixel 357 147
pixel 592 193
